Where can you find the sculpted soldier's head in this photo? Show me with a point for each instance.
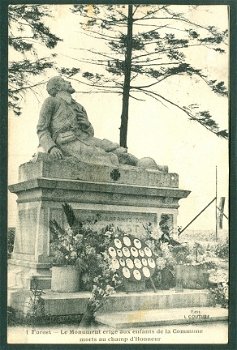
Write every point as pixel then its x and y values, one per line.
pixel 57 84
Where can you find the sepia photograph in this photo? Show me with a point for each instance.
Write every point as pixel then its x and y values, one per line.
pixel 118 174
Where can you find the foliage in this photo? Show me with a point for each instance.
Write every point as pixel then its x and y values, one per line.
pixel 194 254
pixel 90 252
pixel 95 260
pixel 103 286
pixel 171 253
pixel 164 275
pixel 218 275
pixel 27 31
pixel 146 45
pixel 181 254
pixel 11 316
pixel 34 309
pixel 35 306
pixel 220 294
pixel 218 279
pixel 10 240
pixel 222 250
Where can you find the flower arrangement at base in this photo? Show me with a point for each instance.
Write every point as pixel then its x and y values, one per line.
pixel 163 277
pixel 65 259
pixel 165 271
pixel 79 247
pixel 103 286
pixel 181 264
pixel 64 245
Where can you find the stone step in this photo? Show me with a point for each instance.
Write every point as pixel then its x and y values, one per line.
pixel 162 317
pixel 75 303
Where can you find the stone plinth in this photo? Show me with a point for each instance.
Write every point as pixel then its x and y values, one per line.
pixel 162 317
pixel 70 168
pixel 56 304
pixel 128 197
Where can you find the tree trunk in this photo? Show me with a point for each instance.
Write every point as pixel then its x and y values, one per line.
pixel 127 80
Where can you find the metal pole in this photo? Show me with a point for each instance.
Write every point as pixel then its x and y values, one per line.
pixel 197 216
pixel 216 209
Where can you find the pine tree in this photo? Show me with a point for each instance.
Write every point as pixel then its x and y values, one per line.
pixel 26 31
pixel 145 45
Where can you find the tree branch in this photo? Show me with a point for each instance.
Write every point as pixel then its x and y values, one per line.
pixel 99 62
pixel 146 16
pixel 94 84
pixel 214 129
pixel 118 22
pixel 156 98
pixel 152 84
pixel 136 7
pixel 98 92
pixel 165 50
pixel 155 64
pixel 148 60
pixel 27 87
pixel 183 19
pixel 135 98
pixel 101 36
pixel 155 30
pixel 21 37
pixel 99 53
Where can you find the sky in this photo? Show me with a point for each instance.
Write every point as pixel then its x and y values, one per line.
pixel 161 132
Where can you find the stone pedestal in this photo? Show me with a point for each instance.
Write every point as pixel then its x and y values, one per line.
pixel 128 197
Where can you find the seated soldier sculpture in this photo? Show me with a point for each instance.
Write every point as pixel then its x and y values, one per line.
pixel 65 130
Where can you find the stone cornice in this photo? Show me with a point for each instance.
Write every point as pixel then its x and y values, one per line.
pixel 78 185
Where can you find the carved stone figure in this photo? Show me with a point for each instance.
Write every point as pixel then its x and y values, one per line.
pixel 65 130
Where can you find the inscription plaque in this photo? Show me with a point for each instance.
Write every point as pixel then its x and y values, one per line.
pixel 129 222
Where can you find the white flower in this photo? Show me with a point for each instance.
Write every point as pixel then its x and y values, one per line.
pixel 156 233
pixel 90 250
pixel 96 280
pixel 108 233
pixel 68 230
pixel 78 237
pixel 164 247
pixel 73 254
pixel 160 263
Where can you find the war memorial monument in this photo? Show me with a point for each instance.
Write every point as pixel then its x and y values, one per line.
pixel 95 177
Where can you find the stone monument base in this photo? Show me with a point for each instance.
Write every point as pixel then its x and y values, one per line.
pixel 125 196
pixel 58 304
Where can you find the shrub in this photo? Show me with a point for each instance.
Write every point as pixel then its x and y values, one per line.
pixel 220 294
pixel 10 240
pixel 222 250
